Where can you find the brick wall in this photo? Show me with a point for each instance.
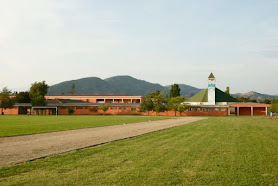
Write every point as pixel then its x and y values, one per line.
pixel 12 111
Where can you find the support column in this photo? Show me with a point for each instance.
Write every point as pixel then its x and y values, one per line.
pixel 113 100
pixel 252 111
pixel 104 100
pixel 122 100
pixel 265 111
pixel 56 111
pixel 131 100
pixel 238 111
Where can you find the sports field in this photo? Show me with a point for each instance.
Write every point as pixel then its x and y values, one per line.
pixel 18 125
pixel 217 151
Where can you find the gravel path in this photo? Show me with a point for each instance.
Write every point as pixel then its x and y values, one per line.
pixel 19 149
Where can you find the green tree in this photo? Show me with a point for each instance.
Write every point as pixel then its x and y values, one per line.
pixel 183 107
pixel 274 106
pixel 227 91
pixel 159 101
pixel 22 97
pixel 146 104
pixel 72 89
pixel 37 92
pixel 70 111
pixel 175 90
pixel 5 100
pixel 104 108
pixel 174 103
pixel 244 99
pixel 267 101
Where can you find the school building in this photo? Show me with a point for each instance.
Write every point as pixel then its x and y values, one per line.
pixel 208 102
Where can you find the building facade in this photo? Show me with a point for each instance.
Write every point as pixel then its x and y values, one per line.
pixel 212 101
pixel 208 102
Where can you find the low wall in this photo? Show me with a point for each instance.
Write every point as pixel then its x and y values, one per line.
pixel 12 111
pixel 187 113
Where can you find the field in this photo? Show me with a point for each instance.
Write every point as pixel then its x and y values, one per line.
pixel 18 125
pixel 217 151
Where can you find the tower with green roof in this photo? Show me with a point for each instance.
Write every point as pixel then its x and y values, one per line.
pixel 211 96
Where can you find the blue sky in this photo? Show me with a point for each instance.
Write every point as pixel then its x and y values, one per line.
pixel 161 41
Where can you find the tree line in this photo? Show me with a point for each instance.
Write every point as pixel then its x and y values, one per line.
pixel 35 96
pixel 159 101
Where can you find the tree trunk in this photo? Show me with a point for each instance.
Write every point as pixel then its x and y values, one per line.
pixel 175 113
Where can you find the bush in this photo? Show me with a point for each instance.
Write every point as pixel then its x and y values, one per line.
pixel 93 109
pixel 70 111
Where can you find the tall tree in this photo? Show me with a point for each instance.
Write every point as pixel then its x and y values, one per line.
pixel 5 99
pixel 227 91
pixel 22 97
pixel 37 92
pixel 72 89
pixel 146 104
pixel 175 90
pixel 174 103
pixel 159 101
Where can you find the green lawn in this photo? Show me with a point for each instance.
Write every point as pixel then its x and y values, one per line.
pixel 17 125
pixel 217 151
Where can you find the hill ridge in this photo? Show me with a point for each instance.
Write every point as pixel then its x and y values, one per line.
pixel 115 85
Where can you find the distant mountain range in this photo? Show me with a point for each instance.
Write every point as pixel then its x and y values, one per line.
pixel 117 85
pixel 254 95
pixel 127 85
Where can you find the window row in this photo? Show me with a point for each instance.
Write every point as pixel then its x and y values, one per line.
pixel 96 108
pixel 208 109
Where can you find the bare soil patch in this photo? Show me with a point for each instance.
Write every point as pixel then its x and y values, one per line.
pixel 19 149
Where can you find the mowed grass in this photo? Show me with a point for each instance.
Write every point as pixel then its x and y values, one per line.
pixel 18 125
pixel 217 151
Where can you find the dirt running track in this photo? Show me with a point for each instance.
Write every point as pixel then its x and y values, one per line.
pixel 24 148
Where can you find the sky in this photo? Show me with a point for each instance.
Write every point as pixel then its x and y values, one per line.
pixel 160 41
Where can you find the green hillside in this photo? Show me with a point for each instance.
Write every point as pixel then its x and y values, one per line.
pixel 117 85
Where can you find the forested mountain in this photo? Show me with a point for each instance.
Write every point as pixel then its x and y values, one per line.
pixel 117 85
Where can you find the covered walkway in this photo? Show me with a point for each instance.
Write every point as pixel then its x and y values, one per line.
pixel 249 109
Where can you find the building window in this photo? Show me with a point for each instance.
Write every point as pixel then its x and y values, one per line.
pixel 204 109
pixel 216 109
pixel 198 109
pixel 210 109
pixel 123 108
pixel 223 110
pixel 113 108
pixel 133 109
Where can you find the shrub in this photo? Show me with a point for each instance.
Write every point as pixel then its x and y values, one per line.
pixel 70 111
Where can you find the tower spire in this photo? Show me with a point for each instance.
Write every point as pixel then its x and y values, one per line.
pixel 211 89
pixel 211 76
